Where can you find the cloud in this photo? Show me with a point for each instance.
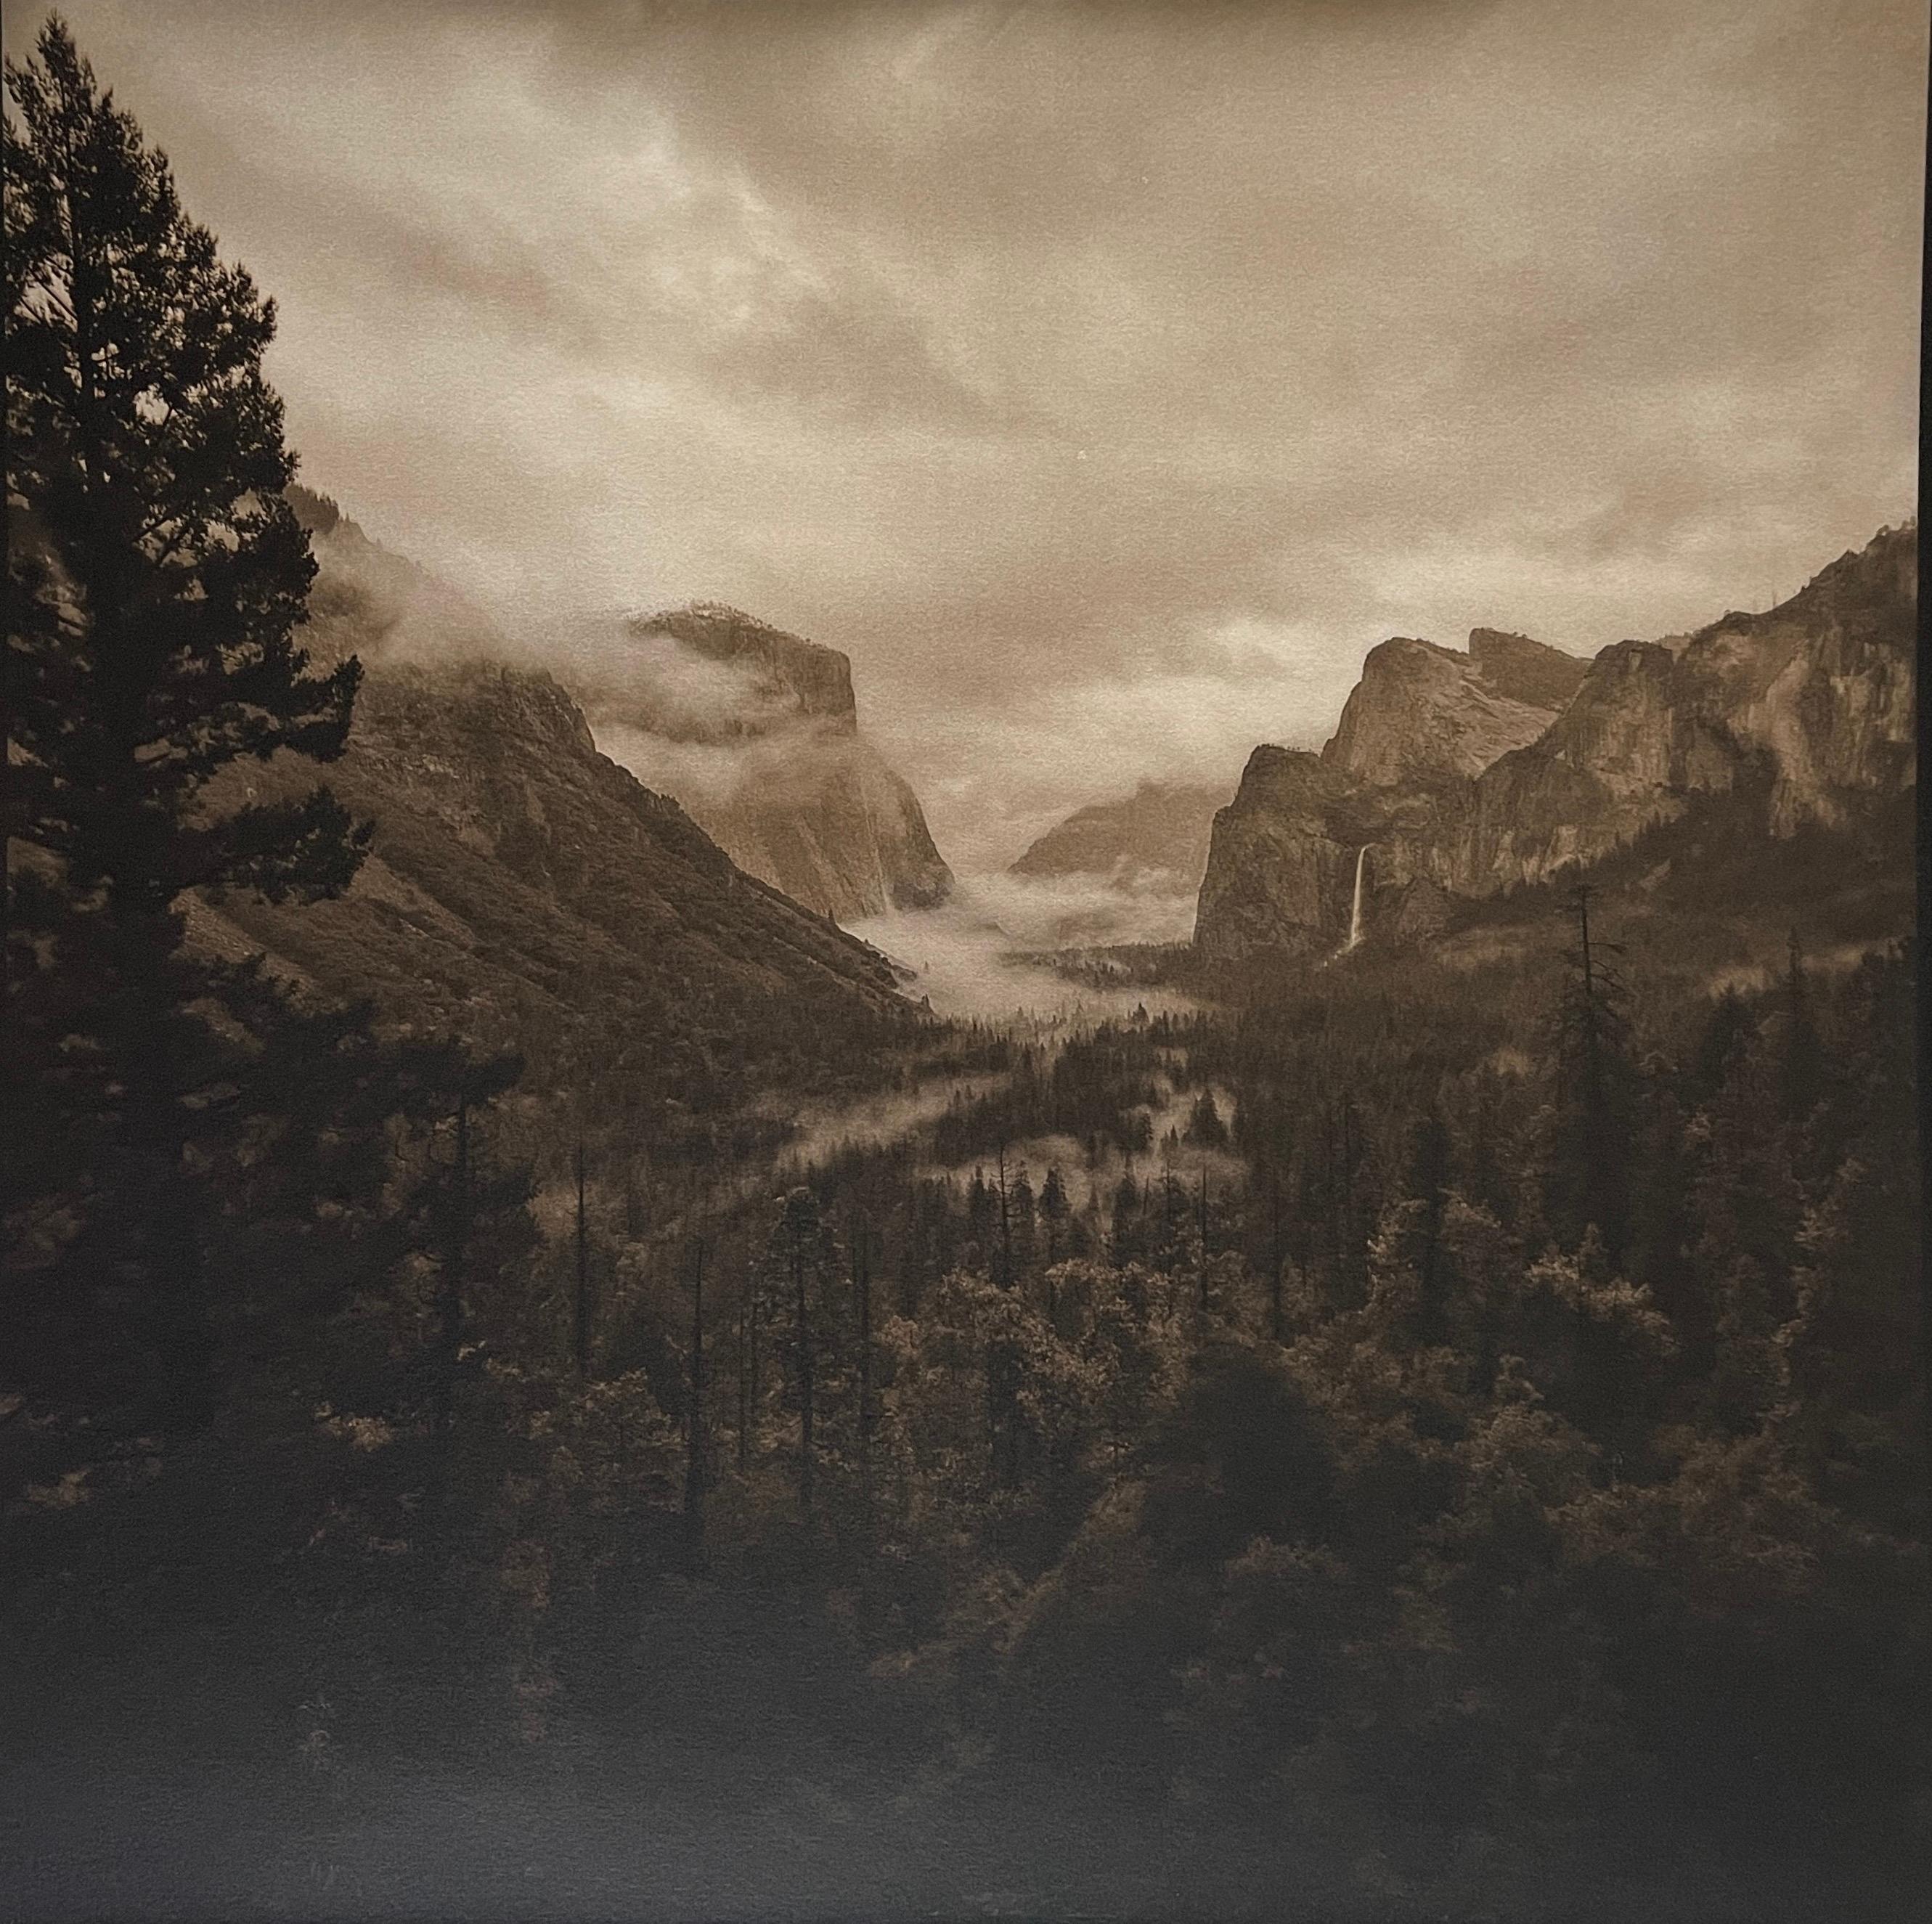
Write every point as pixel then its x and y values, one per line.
pixel 1105 382
pixel 795 766
pixel 621 668
pixel 966 965
pixel 713 732
pixel 1090 911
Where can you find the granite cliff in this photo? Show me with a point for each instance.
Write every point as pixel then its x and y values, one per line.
pixel 1436 770
pixel 1422 713
pixel 756 731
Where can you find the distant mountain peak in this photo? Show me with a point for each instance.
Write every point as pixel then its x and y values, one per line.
pixel 804 677
pixel 782 777
pixel 1532 672
pixel 1154 838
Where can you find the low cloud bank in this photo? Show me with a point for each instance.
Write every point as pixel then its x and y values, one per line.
pixel 969 966
pixel 1090 911
pixel 794 766
pixel 711 734
pixel 821 1131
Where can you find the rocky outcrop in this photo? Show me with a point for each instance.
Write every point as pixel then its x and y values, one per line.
pixel 1281 870
pixel 1530 672
pixel 1281 864
pixel 1809 703
pixel 786 675
pixel 1424 713
pixel 757 732
pixel 1814 698
pixel 1397 777
pixel 1422 722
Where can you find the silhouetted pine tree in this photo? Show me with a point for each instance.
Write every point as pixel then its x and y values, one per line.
pixel 471 1221
pixel 697 1437
pixel 1205 1126
pixel 1731 1026
pixel 1054 1210
pixel 155 576
pixel 1747 1207
pixel 580 1302
pixel 1664 1229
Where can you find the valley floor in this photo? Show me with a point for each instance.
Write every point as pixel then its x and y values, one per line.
pixel 1245 1487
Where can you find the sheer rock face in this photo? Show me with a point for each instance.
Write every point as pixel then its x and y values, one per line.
pixel 754 731
pixel 1281 870
pixel 790 675
pixel 1526 671
pixel 1157 838
pixel 1814 697
pixel 1422 713
pixel 1281 863
pixel 789 787
pixel 1811 701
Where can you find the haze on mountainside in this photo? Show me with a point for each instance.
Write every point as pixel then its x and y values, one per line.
pixel 1104 383
pixel 754 732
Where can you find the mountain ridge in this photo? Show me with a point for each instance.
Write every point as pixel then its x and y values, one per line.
pixel 1813 699
pixel 1160 829
pixel 1423 712
pixel 522 883
pixel 753 730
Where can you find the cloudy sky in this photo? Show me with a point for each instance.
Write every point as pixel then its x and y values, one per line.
pixel 1105 379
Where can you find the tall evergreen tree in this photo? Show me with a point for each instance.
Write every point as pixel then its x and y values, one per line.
pixel 697 1436
pixel 580 1304
pixel 1204 1125
pixel 1430 1152
pixel 156 575
pixel 1054 1210
pixel 471 1221
pixel 1732 1027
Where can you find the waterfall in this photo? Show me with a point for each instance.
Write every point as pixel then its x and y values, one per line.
pixel 1355 913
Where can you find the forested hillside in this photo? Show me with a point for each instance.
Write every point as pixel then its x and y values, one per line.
pixel 1234 1405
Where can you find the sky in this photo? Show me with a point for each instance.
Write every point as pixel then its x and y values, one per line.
pixel 1106 380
